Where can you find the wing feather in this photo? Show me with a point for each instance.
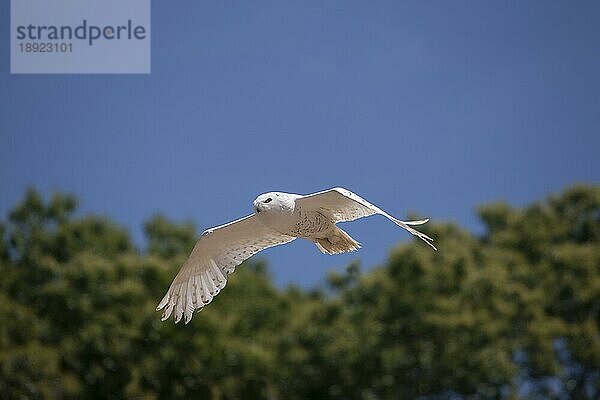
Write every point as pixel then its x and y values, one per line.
pixel 342 205
pixel 215 255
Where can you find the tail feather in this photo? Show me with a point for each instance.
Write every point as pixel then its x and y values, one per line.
pixel 338 242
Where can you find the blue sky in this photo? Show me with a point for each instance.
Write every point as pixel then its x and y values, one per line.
pixel 429 107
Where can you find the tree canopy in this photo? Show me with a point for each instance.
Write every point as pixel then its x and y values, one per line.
pixel 512 313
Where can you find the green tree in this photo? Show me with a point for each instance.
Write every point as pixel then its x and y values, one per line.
pixel 481 317
pixel 167 239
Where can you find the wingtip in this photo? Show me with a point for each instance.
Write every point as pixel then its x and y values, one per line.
pixel 407 225
pixel 427 240
pixel 163 302
pixel 417 222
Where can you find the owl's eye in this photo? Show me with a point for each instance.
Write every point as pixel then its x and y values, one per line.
pixel 268 200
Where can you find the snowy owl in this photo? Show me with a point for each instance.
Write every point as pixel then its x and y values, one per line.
pixel 279 218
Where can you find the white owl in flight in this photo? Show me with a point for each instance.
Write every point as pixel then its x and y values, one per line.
pixel 279 218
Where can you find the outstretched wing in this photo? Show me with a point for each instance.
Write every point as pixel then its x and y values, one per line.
pixel 216 254
pixel 342 205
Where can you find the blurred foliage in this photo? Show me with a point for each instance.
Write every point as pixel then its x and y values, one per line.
pixel 511 314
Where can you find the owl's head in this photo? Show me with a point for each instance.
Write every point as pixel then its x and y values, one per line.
pixel 272 201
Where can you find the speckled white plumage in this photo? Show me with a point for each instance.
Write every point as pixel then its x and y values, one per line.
pixel 279 218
